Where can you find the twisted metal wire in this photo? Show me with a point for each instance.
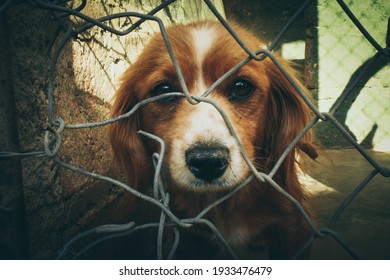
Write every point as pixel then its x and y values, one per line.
pixel 160 198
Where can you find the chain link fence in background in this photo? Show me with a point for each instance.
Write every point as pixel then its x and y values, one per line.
pixel 62 11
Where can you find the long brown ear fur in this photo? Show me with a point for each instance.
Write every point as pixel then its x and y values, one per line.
pixel 287 116
pixel 129 151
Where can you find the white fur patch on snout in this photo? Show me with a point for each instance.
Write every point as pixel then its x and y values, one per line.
pixel 205 125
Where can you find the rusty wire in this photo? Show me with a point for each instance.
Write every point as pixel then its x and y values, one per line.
pixel 56 126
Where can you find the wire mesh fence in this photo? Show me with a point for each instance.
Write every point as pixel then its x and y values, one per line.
pixel 56 126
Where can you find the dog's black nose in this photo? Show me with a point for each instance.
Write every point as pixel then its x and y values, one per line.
pixel 207 161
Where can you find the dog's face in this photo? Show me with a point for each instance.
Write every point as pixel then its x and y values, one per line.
pixel 201 152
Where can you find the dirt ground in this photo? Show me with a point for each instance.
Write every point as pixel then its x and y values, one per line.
pixel 365 224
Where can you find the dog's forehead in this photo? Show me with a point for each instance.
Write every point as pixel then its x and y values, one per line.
pixel 204 52
pixel 203 37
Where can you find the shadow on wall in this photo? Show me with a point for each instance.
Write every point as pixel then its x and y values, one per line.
pixel 326 130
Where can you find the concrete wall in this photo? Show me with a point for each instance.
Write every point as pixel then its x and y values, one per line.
pixel 342 53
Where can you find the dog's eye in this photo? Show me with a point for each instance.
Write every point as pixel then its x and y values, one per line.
pixel 241 89
pixel 163 88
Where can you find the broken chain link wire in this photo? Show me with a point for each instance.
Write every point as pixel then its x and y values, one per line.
pixel 52 139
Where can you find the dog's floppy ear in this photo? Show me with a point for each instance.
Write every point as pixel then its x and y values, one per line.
pixel 287 116
pixel 128 148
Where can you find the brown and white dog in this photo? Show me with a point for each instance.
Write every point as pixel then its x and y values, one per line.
pixel 203 159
